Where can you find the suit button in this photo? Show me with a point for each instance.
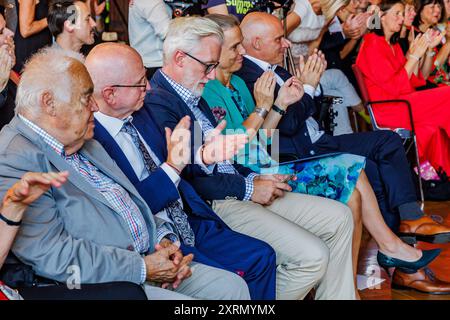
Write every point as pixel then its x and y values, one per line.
pixel 130 248
pixel 312 152
pixel 230 198
pixel 306 134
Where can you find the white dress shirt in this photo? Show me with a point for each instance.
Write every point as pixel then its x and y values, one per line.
pixel 133 154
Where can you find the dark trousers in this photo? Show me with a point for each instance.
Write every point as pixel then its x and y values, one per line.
pixel 387 168
pixel 101 291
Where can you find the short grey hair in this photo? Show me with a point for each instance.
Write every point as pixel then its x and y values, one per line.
pixel 185 34
pixel 225 22
pixel 47 70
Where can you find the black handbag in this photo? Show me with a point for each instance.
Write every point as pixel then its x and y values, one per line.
pixel 17 275
pixel 437 190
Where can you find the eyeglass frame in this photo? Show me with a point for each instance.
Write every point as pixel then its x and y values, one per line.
pixel 209 66
pixel 131 85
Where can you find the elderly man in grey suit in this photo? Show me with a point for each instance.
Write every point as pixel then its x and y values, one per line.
pixel 96 228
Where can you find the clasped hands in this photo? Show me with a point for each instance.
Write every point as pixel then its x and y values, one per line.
pixel 167 265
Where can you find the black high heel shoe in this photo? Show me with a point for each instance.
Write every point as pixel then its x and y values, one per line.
pixel 406 266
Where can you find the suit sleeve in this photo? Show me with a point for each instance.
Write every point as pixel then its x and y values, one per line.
pixel 44 244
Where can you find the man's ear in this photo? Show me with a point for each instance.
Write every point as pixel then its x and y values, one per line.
pixel 69 26
pixel 257 43
pixel 48 103
pixel 178 58
pixel 108 95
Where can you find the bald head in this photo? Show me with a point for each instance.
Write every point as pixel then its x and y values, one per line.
pixel 263 37
pixel 112 64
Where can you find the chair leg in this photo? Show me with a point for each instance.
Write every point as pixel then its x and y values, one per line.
pixel 422 197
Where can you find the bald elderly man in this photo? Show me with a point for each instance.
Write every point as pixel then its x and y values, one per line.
pixel 136 144
pixel 96 227
pixel 386 165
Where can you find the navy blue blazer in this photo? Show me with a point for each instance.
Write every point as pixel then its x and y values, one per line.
pixel 167 108
pixel 216 244
pixel 294 136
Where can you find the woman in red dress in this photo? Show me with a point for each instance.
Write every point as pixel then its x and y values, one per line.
pixel 388 74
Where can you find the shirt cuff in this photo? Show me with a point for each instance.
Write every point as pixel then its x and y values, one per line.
pixel 165 231
pixel 249 186
pixel 173 175
pixel 208 169
pixel 309 89
pixel 143 272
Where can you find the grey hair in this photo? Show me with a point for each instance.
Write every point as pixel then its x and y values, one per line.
pixel 185 34
pixel 45 71
pixel 225 22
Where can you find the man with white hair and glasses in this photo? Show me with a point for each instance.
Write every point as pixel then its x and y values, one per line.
pixel 311 236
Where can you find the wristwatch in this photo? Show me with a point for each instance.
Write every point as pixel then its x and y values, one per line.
pixel 261 112
pixel 280 111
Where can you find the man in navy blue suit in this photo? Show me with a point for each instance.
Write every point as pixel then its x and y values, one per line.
pixel 310 235
pixel 387 167
pixel 138 146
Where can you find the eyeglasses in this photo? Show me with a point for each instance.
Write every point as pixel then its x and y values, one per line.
pixel 144 85
pixel 209 66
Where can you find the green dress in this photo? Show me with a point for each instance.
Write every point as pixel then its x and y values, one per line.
pixel 333 176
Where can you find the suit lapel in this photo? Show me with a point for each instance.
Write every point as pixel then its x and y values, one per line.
pixel 60 164
pixel 100 158
pixel 104 138
pixel 152 136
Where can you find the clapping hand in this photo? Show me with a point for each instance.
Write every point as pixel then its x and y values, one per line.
pixel 290 92
pixel 434 37
pixel 419 46
pixel 219 147
pixel 7 61
pixel 179 144
pixel 30 187
pixel 309 72
pixel 264 90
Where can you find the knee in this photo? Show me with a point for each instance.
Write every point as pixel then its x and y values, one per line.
pixel 232 287
pixel 343 217
pixel 317 260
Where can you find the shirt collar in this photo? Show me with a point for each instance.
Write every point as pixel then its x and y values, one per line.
pixel 111 124
pixel 48 139
pixel 262 64
pixel 187 95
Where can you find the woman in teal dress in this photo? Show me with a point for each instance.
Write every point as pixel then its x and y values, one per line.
pixel 340 176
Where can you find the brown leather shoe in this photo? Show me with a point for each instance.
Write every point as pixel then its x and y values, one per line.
pixel 423 229
pixel 423 280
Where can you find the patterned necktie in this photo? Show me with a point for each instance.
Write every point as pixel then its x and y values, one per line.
pixel 174 209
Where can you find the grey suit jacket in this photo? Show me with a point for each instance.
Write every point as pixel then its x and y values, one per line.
pixel 72 226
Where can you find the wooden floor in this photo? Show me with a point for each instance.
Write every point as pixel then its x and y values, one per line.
pixel 441 266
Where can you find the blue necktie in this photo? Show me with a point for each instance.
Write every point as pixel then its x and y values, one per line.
pixel 174 209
